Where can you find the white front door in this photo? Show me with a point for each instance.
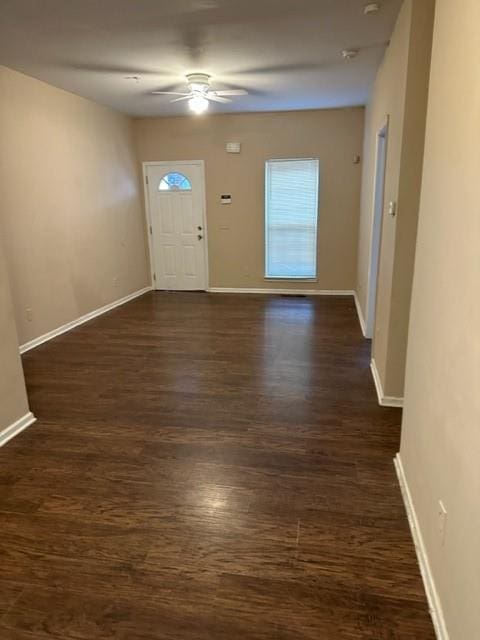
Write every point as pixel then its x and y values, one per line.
pixel 177 225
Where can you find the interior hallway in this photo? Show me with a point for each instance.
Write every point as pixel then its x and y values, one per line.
pixel 208 466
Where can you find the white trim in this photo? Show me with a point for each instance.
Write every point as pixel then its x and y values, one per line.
pixel 291 292
pixel 289 279
pixel 376 230
pixel 383 400
pixel 434 603
pixel 14 429
pixel 361 319
pixel 159 163
pixel 75 323
pixel 148 218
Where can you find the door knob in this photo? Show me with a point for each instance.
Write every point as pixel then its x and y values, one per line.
pixel 199 237
pixel 199 228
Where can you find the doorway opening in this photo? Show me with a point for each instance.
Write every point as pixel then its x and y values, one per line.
pixel 378 208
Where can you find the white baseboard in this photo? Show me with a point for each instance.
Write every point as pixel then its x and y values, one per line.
pixel 75 323
pixel 361 319
pixel 288 292
pixel 432 594
pixel 10 432
pixel 383 400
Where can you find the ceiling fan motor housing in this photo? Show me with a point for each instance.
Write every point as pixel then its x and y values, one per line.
pixel 198 82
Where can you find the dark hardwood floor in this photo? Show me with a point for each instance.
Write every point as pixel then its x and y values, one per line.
pixel 207 467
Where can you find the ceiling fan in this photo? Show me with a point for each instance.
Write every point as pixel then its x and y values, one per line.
pixel 199 93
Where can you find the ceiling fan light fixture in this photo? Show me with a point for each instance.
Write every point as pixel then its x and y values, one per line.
pixel 198 104
pixel 372 7
pixel 349 54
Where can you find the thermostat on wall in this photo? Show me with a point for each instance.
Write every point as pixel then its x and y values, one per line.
pixel 233 147
pixel 226 199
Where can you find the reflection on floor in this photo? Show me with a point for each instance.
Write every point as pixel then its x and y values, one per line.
pixel 207 466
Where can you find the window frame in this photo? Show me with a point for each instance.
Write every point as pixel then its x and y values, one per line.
pixel 265 242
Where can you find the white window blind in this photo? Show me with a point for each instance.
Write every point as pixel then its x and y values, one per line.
pixel 291 203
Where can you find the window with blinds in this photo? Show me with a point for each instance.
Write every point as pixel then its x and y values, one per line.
pixel 291 214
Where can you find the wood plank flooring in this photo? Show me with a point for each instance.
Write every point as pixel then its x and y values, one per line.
pixel 207 466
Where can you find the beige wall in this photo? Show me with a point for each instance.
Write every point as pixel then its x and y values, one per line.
pixel 70 208
pixel 388 100
pixel 13 397
pixel 400 93
pixel 236 232
pixel 441 427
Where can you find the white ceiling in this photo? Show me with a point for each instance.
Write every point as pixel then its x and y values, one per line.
pixel 287 53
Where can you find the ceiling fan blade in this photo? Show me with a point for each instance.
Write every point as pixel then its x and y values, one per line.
pixel 184 97
pixel 215 98
pixel 232 92
pixel 307 66
pixel 123 70
pixel 169 93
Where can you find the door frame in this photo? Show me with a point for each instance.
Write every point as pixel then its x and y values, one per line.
pixel 148 217
pixel 378 209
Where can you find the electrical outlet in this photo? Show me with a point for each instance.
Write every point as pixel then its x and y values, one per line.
pixel 115 280
pixel 29 314
pixel 442 522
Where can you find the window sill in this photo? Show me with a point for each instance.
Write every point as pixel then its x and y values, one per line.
pixel 290 279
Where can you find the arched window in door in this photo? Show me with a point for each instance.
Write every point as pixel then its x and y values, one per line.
pixel 175 181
